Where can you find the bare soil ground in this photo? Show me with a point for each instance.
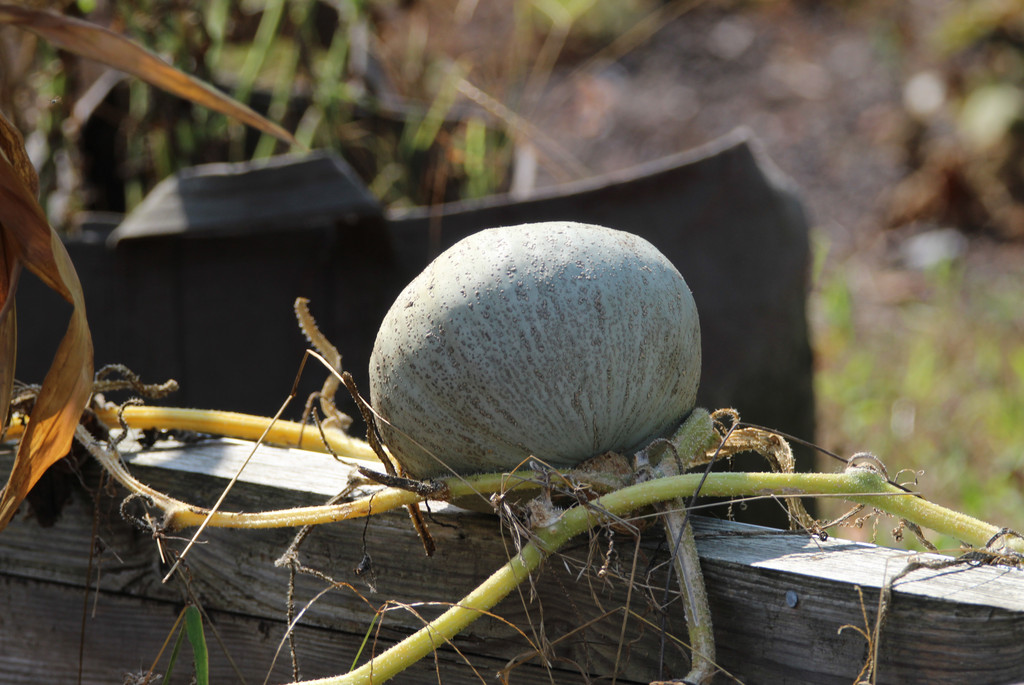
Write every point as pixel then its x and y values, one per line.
pixel 813 88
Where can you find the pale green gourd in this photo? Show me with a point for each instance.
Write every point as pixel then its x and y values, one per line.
pixel 558 340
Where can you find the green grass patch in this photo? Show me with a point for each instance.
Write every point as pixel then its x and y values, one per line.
pixel 933 383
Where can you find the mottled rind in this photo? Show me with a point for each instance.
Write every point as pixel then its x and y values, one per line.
pixel 558 340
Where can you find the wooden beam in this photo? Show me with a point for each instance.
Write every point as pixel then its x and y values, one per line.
pixel 778 599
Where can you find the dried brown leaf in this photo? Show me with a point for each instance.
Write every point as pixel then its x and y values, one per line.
pixel 12 148
pixel 28 240
pixel 10 267
pixel 27 236
pixel 97 43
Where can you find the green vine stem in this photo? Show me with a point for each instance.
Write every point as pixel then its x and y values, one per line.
pixel 679 534
pixel 179 514
pixel 861 485
pixel 690 444
pixel 857 484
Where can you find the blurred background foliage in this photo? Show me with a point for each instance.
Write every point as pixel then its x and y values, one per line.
pixel 917 321
pixel 920 346
pixel 966 124
pixel 382 82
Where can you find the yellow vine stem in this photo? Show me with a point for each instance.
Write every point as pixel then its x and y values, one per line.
pixel 186 516
pixel 861 485
pixel 243 426
pixel 857 484
pixel 228 424
pixel 178 514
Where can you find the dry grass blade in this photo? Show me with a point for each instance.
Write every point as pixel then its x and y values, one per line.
pixel 28 240
pixel 100 44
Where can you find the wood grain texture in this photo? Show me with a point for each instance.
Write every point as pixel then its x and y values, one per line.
pixel 943 626
pixel 125 634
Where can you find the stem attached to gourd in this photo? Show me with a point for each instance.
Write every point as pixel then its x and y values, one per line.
pixel 689 444
pixel 859 485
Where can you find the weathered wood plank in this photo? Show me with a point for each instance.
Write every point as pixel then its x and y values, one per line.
pixel 862 564
pixel 41 638
pixel 234 572
pixel 941 626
